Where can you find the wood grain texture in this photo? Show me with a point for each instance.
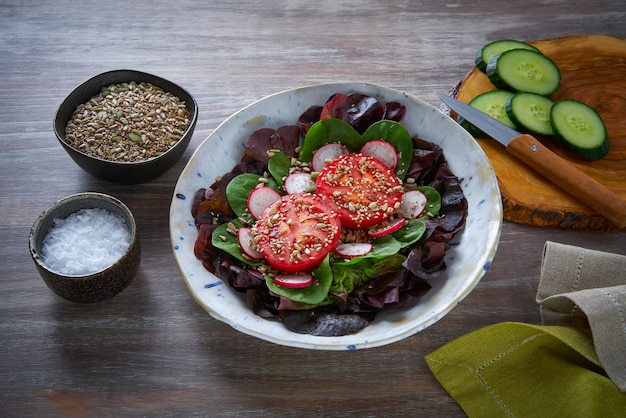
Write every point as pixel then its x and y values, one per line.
pixel 152 350
pixel 592 71
pixel 567 177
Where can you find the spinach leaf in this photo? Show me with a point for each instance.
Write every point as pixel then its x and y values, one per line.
pixel 227 242
pixel 381 247
pixel 410 233
pixel 396 135
pixel 388 245
pixel 433 200
pixel 326 131
pixel 311 295
pixel 278 166
pixel 240 187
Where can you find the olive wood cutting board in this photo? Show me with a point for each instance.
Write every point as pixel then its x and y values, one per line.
pixel 593 70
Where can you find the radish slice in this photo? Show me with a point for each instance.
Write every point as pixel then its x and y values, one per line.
pixel 326 153
pixel 351 250
pixel 382 151
pixel 293 281
pixel 386 228
pixel 299 183
pixel 260 199
pixel 246 242
pixel 413 204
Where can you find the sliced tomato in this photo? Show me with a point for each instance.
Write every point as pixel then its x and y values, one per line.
pixel 363 188
pixel 296 232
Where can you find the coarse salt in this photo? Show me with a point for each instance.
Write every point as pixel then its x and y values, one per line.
pixel 85 242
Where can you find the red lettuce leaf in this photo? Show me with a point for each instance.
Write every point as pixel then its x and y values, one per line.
pixel 308 118
pixel 357 109
pixel 285 138
pixel 323 323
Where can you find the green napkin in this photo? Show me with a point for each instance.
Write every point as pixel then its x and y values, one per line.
pixel 573 365
pixel 520 370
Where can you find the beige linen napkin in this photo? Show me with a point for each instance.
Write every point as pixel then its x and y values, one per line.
pixel 586 289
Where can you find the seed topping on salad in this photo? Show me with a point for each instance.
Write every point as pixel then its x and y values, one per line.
pixel 362 187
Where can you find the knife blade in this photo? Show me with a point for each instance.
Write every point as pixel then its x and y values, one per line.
pixel 538 157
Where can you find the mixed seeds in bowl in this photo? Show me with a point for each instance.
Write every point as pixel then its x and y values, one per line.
pixel 128 122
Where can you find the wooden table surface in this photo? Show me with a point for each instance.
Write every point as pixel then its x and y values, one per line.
pixel 152 350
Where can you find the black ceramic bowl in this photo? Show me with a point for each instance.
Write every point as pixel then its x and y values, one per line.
pixel 123 172
pixel 97 286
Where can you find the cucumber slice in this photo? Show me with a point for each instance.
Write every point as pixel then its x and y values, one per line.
pixel 490 50
pixel 580 129
pixel 524 70
pixel 492 103
pixel 531 112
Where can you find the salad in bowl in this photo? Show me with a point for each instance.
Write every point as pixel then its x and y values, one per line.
pixel 338 224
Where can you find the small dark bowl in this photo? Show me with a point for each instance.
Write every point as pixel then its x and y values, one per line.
pixel 94 287
pixel 123 172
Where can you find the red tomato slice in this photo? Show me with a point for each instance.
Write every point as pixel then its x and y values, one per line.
pixel 363 188
pixel 296 232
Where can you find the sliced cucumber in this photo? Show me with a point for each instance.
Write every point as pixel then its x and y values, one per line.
pixel 531 112
pixel 524 70
pixel 580 129
pixel 490 50
pixel 492 103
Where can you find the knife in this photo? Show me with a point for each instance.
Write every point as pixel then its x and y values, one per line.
pixel 559 171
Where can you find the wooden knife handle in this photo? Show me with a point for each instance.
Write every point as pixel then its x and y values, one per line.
pixel 569 178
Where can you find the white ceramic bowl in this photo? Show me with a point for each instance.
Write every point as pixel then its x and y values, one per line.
pixel 467 260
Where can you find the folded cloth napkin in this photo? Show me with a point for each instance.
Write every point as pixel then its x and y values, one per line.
pixel 561 368
pixel 586 289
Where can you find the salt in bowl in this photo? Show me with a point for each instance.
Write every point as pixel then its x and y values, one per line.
pixel 88 286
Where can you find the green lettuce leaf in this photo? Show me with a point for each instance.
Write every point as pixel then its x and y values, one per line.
pixel 348 276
